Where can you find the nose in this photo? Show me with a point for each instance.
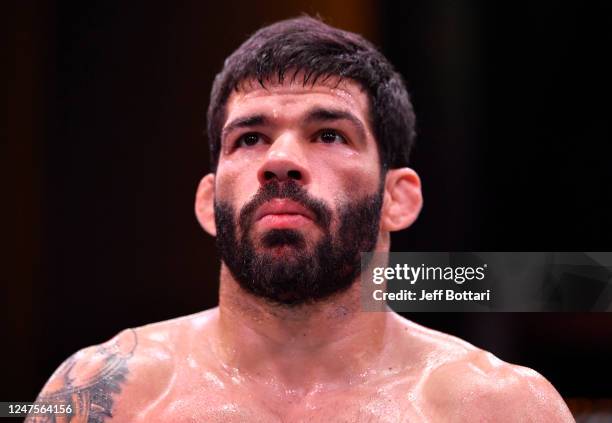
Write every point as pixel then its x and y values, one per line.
pixel 284 160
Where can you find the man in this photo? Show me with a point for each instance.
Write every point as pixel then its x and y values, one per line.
pixel 310 129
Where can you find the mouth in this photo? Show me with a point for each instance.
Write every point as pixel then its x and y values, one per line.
pixel 283 213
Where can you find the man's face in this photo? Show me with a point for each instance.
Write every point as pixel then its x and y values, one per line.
pixel 298 188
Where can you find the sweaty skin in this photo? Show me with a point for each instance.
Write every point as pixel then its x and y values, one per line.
pixel 192 370
pixel 250 361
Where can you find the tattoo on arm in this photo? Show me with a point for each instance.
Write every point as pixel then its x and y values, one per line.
pixel 90 398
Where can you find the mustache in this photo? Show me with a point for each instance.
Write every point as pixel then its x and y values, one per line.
pixel 289 190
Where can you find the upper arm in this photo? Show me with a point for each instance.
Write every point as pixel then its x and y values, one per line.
pixel 482 388
pixel 91 382
pixel 525 396
pixel 550 401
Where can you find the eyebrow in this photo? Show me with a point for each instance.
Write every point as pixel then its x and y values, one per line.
pixel 314 115
pixel 243 122
pixel 319 114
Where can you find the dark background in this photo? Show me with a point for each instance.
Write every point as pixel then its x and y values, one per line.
pixel 104 147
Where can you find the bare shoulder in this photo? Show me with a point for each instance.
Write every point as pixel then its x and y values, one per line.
pixel 467 384
pixel 480 387
pixel 119 378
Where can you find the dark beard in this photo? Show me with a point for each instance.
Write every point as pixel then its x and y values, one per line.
pixel 298 277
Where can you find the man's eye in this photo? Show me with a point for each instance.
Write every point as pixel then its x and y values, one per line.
pixel 248 140
pixel 329 136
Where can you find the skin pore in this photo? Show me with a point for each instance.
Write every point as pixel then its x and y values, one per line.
pixel 254 358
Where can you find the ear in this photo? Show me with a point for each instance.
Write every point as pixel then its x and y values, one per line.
pixel 204 204
pixel 403 199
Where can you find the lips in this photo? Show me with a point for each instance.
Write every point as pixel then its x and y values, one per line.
pixel 279 207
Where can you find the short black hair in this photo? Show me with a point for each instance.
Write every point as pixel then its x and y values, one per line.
pixel 316 50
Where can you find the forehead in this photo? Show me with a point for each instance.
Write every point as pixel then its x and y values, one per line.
pixel 292 96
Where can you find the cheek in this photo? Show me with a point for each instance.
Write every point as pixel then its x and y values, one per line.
pixel 354 181
pixel 226 186
pixel 345 173
pixel 236 179
pixel 346 184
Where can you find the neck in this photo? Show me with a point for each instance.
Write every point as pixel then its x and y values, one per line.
pixel 334 339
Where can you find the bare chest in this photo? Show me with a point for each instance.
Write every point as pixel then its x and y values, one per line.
pixel 218 402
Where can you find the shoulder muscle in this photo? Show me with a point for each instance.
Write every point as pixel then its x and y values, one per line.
pixel 482 388
pixel 91 382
